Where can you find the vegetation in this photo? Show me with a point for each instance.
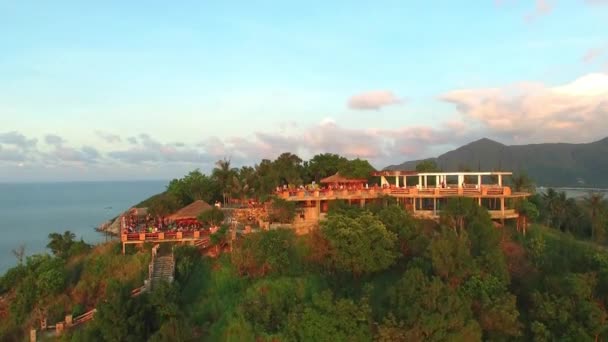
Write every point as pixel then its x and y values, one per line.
pixel 228 184
pixel 372 273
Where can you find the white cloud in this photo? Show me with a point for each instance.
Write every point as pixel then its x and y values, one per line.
pixel 531 112
pixel 375 99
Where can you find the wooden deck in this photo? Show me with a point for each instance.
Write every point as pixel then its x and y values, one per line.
pixel 410 192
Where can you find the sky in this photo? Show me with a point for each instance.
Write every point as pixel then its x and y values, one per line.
pixel 126 90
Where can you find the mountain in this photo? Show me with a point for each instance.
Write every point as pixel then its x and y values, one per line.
pixel 558 164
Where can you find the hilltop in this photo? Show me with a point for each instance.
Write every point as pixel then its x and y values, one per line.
pixel 549 164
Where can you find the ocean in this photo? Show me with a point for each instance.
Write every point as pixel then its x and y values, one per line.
pixel 30 212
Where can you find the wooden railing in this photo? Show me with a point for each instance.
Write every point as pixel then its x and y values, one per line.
pixel 162 236
pixel 468 190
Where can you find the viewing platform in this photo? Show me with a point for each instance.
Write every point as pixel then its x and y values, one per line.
pixel 423 194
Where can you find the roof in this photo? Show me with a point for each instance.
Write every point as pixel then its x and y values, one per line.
pixel 393 173
pixel 191 211
pixel 338 178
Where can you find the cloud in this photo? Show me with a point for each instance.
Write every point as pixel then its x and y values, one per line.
pixel 541 8
pixel 108 137
pixel 54 140
pixel 150 150
pixel 373 100
pixel 86 154
pixel 12 155
pixel 532 112
pixel 18 140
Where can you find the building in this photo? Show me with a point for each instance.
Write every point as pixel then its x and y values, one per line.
pixel 423 194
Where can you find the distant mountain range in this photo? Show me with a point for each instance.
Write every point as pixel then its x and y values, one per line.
pixel 559 164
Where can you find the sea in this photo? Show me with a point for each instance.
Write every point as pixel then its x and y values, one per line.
pixel 29 212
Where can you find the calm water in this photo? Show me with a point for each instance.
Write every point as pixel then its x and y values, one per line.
pixel 29 212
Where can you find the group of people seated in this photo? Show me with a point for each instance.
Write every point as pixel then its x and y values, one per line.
pixel 157 225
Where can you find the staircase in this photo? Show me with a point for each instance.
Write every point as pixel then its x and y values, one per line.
pixel 163 269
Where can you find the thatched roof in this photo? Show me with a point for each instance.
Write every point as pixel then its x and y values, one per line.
pixel 191 211
pixel 338 178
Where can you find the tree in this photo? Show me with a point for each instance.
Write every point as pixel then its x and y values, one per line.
pixel 122 318
pixel 325 165
pixel 555 207
pixel 521 182
pixel 527 212
pixel 289 168
pixel 459 210
pixel 359 245
pixel 494 307
pixel 326 319
pixel 214 216
pixel 223 174
pixel 595 204
pixel 19 253
pixel 163 204
pixel 60 244
pixel 357 168
pixel 282 211
pixel 429 310
pixel 266 252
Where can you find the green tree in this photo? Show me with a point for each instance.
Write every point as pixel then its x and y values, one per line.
pixel 60 243
pixel 527 212
pixel 357 168
pixel 224 175
pixel 521 182
pixel 282 211
pixel 289 168
pixel 326 319
pixel 214 216
pixel 266 252
pixel 494 307
pixel 122 318
pixel 359 245
pixel 428 310
pixel 596 207
pixel 325 165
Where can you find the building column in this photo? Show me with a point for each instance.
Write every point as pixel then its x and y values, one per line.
pixel 420 181
pixel 397 181
pixel 318 206
pixel 362 202
pixel 414 200
pixel 425 183
pixel 479 181
pixel 502 206
pixel 383 181
pixel 434 206
pixel 499 180
pixel 437 182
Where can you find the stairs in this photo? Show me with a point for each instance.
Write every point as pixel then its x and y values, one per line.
pixel 163 269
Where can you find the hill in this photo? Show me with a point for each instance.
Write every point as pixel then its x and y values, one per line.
pixel 555 164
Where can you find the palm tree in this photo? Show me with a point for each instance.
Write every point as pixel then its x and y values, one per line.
pixel 556 206
pixel 595 204
pixel 527 212
pixel 521 182
pixel 224 175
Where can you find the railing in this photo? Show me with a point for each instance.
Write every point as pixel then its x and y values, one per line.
pixel 468 190
pixel 161 236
